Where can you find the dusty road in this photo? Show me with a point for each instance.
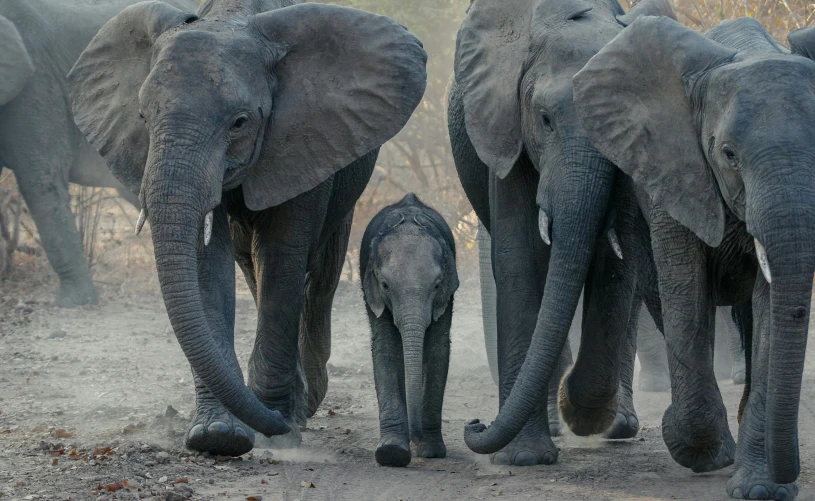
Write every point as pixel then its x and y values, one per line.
pixel 84 397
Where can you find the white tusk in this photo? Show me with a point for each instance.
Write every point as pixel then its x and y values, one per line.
pixel 140 222
pixel 207 228
pixel 615 243
pixel 543 227
pixel 763 262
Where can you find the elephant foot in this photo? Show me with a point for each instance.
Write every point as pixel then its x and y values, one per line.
pixel 654 383
pixel 700 458
pixel 739 373
pixel 393 451
pixel 755 483
pixel 625 425
pixel 431 448
pixel 585 421
pixel 219 433
pixel 529 448
pixel 72 295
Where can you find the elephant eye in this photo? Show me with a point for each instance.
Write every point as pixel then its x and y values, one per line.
pixel 730 154
pixel 385 285
pixel 240 122
pixel 547 122
pixel 438 285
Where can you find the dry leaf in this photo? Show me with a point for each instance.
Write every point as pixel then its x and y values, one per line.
pixel 307 485
pixel 181 480
pixel 223 458
pixel 60 433
pixel 263 481
pixel 254 498
pixel 112 487
pixel 54 462
pixel 347 431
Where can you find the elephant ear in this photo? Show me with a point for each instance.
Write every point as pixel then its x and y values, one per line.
pixel 647 8
pixel 370 289
pixel 347 82
pixel 632 98
pixel 802 42
pixel 105 81
pixel 491 47
pixel 744 34
pixel 15 63
pixel 451 283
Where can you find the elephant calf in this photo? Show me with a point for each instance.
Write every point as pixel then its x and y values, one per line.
pixel 408 270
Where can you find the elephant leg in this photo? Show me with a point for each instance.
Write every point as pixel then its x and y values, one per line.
pixel 590 394
pixel 751 478
pixel 627 424
pixel 722 358
pixel 694 426
pixel 45 192
pixel 520 261
pixel 389 378
pixel 315 326
pixel 213 429
pixel 653 359
pixel 488 299
pixel 283 241
pixel 435 365
pixel 726 325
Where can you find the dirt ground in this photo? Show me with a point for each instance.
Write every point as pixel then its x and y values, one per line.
pixel 94 403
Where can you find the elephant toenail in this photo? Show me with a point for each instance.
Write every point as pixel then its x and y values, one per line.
pixel 525 458
pixel 548 458
pixel 759 492
pixel 738 493
pixel 240 432
pixel 218 427
pixel 196 431
pixel 500 458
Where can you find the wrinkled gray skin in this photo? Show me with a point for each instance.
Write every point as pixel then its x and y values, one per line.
pixel 408 269
pixel 39 42
pixel 719 140
pixel 536 173
pixel 244 111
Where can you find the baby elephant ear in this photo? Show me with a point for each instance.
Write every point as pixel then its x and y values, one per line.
pixel 15 64
pixel 632 99
pixel 802 42
pixel 647 8
pixel 371 292
pixel 104 86
pixel 347 82
pixel 492 43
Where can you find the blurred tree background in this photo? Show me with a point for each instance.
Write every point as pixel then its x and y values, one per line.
pixel 418 159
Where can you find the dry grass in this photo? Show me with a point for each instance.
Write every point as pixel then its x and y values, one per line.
pixel 418 160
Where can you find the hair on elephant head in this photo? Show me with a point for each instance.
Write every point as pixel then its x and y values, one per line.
pixel 707 125
pixel 514 64
pixel 265 96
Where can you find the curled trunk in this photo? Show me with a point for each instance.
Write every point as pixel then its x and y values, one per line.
pixel 575 228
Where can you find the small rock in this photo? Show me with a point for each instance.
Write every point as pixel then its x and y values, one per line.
pixel 57 334
pixel 162 479
pixel 170 412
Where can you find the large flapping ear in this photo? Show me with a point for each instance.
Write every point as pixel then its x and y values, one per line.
pixel 104 86
pixel 802 41
pixel 647 8
pixel 632 99
pixel 437 227
pixel 347 82
pixel 15 63
pixel 744 34
pixel 491 47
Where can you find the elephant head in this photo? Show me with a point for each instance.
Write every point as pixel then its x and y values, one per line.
pixel 515 60
pixel 271 102
pixel 411 271
pixel 703 128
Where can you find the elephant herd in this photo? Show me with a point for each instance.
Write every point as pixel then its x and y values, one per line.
pixel 614 160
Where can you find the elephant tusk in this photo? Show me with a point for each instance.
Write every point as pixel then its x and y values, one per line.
pixel 207 228
pixel 763 262
pixel 615 243
pixel 140 222
pixel 543 227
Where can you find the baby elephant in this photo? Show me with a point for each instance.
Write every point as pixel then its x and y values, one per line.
pixel 408 269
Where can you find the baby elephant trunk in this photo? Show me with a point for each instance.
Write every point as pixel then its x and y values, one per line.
pixel 413 330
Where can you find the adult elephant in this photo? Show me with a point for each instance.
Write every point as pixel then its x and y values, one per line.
pixel 249 131
pixel 555 209
pixel 717 133
pixel 39 42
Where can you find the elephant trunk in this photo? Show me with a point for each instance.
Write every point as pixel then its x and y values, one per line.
pixel 575 229
pixel 413 319
pixel 178 195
